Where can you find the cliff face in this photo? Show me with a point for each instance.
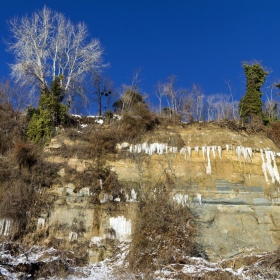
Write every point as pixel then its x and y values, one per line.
pixel 236 178
pixel 230 180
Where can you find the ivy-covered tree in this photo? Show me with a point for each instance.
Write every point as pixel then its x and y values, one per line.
pixel 50 113
pixel 251 103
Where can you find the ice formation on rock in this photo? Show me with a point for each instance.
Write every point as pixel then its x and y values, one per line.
pixel 183 151
pixel 238 152
pixel 7 230
pixel 220 151
pixel 181 199
pixel 122 227
pixel 5 227
pixel 208 167
pixel 106 197
pixel 84 191
pixel 73 236
pixel 189 151
pixel 269 165
pixel 199 198
pixel 227 147
pixel 96 240
pixel 250 153
pixel 214 151
pixel 203 148
pixel 264 167
pixel 133 195
pixel 41 223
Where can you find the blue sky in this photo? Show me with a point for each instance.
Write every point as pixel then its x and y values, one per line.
pixel 199 41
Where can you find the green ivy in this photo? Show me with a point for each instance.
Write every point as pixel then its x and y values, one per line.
pixel 251 103
pixel 50 113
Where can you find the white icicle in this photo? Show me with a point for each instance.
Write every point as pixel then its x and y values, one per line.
pixel 7 227
pixel 152 148
pixel 244 153
pixel 220 151
pixel 183 151
pixel 2 225
pixel 162 147
pixel 203 148
pixel 41 223
pixel 275 168
pixel 269 166
pixel 238 152
pixel 208 167
pixel 199 198
pixel 264 167
pixel 130 148
pixel 189 151
pixel 250 153
pixel 227 147
pixel 196 150
pixel 214 151
pixel 135 148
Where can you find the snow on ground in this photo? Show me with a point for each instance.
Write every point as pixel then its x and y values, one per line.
pixel 116 267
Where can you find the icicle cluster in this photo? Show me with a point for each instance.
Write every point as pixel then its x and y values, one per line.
pixel 181 199
pixel 73 236
pixel 269 166
pixel 245 152
pixel 122 227
pixel 132 197
pixel 151 149
pixel 5 227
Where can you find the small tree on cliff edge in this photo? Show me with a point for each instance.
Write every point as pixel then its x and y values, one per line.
pixel 50 113
pixel 251 103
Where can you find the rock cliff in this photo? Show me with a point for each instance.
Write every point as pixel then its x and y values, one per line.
pixel 229 179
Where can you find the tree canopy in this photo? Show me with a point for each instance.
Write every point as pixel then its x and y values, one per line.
pixel 251 103
pixel 47 45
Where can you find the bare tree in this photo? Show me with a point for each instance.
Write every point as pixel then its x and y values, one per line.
pixel 160 93
pixel 198 97
pixel 271 105
pixel 18 97
pixel 47 45
pixel 210 107
pixel 102 88
pixel 172 93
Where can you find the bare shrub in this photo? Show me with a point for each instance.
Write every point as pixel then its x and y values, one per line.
pixel 137 122
pixel 255 124
pixel 164 233
pixel 25 154
pixel 12 127
pixel 274 133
